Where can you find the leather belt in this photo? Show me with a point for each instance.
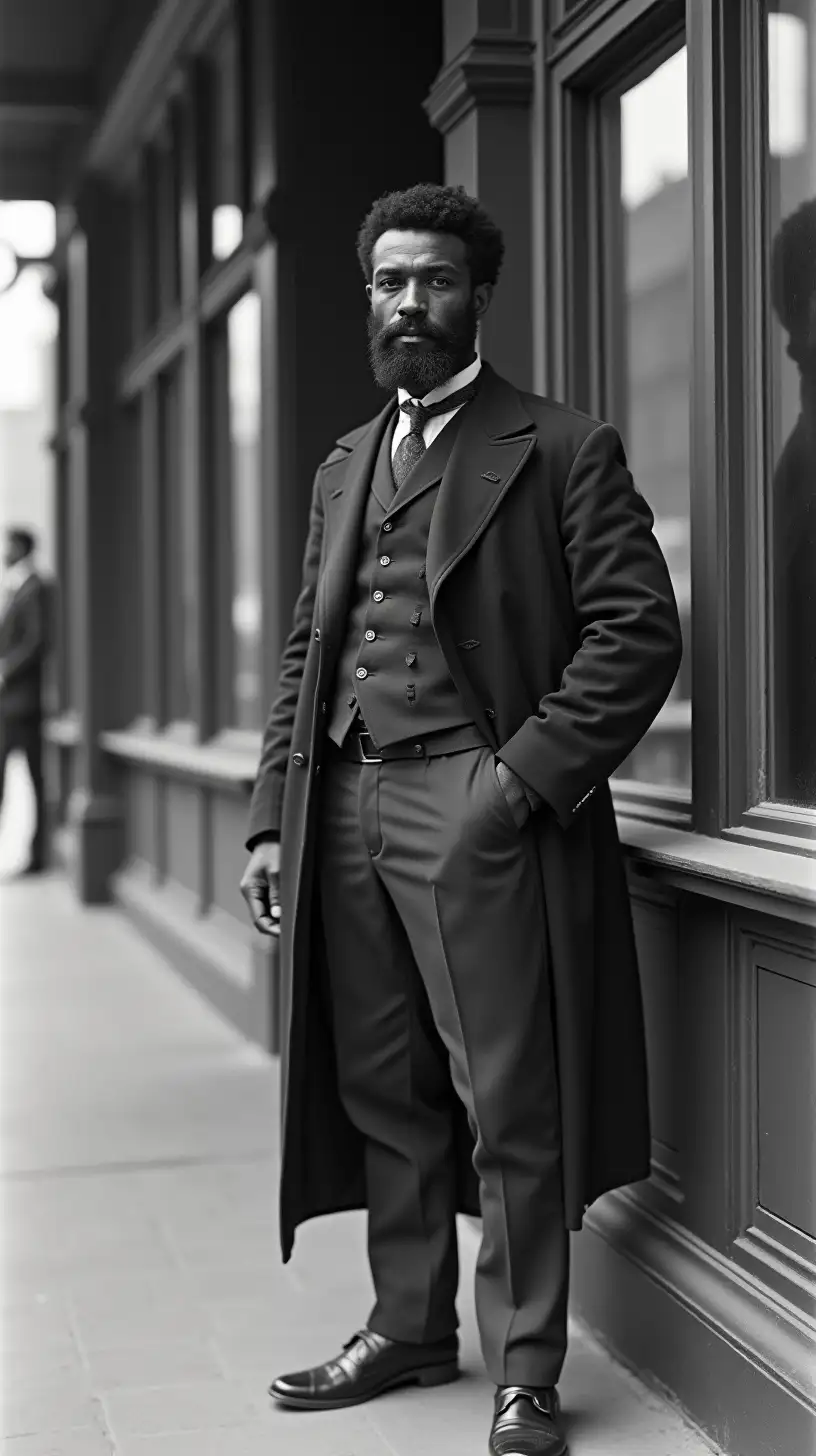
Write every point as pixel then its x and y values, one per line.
pixel 358 746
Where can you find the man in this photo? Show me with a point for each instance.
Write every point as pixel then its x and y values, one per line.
pixel 24 638
pixel 485 630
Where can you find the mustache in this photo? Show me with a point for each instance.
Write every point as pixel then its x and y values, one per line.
pixel 390 332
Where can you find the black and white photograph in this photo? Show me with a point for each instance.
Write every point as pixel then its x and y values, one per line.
pixel 408 728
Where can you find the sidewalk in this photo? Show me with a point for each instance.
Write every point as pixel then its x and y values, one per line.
pixel 144 1306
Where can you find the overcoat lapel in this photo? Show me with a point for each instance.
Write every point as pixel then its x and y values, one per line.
pixel 341 560
pixel 495 439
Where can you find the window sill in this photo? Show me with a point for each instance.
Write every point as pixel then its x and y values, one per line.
pixel 773 881
pixel 229 760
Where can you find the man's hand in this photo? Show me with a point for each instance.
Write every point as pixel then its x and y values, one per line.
pixel 515 792
pixel 260 887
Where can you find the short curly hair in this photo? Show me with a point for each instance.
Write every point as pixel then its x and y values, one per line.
pixel 430 207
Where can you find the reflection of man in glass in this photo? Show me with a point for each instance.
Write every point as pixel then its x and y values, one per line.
pixel 794 520
pixel 24 636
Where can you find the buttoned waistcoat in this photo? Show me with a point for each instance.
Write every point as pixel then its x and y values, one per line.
pixel 391 664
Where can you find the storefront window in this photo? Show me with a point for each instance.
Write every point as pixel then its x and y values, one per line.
pixel 653 364
pixel 176 673
pixel 791 491
pixel 244 375
pixel 224 151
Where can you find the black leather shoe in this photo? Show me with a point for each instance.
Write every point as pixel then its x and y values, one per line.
pixel 369 1365
pixel 527 1422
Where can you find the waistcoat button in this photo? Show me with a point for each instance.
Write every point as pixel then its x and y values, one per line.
pixel 385 561
pixel 379 596
pixel 362 672
pixel 370 635
pixel 299 760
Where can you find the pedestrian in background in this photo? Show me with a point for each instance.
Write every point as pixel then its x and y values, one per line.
pixel 486 629
pixel 25 635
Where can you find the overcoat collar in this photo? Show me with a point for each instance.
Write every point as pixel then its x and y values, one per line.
pixel 495 438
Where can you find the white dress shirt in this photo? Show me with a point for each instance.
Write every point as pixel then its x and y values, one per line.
pixel 436 423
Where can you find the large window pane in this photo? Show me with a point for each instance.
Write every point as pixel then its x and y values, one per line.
pixel 176 673
pixel 792 370
pixel 652 363
pixel 244 374
pixel 224 147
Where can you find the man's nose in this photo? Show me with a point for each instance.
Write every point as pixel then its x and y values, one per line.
pixel 413 302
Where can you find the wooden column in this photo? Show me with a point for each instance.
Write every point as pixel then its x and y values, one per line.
pixel 99 522
pixel 480 102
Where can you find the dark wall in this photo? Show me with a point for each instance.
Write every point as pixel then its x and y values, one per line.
pixel 351 126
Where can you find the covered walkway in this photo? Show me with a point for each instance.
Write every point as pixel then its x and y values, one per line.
pixel 144 1304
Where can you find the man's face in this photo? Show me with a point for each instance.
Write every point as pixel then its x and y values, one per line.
pixel 424 310
pixel 13 551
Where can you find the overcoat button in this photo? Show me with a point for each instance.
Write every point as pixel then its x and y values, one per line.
pixel 489 713
pixel 299 760
pixel 387 525
pixel 317 634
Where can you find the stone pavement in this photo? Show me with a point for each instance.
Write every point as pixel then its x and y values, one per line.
pixel 144 1306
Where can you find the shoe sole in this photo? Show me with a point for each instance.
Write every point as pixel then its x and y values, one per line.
pixel 432 1375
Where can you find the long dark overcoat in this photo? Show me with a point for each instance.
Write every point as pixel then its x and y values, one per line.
pixel 540 551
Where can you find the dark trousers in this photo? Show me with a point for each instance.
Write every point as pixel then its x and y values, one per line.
pixel 25 736
pixel 438 974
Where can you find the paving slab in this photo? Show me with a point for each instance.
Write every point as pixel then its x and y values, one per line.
pixel 143 1304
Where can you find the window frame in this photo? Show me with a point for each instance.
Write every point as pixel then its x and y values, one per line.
pixel 174 338
pixel 590 50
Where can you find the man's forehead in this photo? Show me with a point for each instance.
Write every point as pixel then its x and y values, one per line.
pixel 409 248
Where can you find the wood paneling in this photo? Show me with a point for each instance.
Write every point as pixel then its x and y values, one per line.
pixel 786 1096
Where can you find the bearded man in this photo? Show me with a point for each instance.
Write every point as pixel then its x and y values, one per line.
pixel 486 629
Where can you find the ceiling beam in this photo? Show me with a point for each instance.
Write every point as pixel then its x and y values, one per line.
pixel 47 96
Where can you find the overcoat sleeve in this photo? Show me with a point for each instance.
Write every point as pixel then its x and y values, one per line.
pixel 267 797
pixel 629 635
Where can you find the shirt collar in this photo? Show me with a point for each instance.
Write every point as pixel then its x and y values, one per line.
pixel 457 381
pixel 17 575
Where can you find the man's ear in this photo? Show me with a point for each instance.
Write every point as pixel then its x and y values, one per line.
pixel 482 294
pixel 369 291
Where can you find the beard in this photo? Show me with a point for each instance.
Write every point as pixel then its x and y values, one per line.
pixel 417 369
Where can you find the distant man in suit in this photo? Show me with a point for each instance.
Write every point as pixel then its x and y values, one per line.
pixel 24 642
pixel 486 628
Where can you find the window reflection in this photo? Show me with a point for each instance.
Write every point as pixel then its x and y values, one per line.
pixel 654 364
pixel 792 493
pixel 244 352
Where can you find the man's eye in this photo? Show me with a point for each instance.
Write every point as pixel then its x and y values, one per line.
pixel 441 282
pixel 389 282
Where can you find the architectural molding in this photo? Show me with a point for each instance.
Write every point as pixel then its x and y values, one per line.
pixel 151 70
pixel 730 1350
pixel 486 73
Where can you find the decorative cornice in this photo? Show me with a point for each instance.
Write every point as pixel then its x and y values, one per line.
pixel 486 73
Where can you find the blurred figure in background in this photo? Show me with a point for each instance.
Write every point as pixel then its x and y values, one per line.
pixel 793 275
pixel 24 642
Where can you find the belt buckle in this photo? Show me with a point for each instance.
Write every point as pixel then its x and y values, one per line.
pixel 364 758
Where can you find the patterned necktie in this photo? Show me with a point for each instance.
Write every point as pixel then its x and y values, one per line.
pixel 412 447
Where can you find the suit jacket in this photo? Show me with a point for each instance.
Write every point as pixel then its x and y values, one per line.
pixel 25 638
pixel 553 606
